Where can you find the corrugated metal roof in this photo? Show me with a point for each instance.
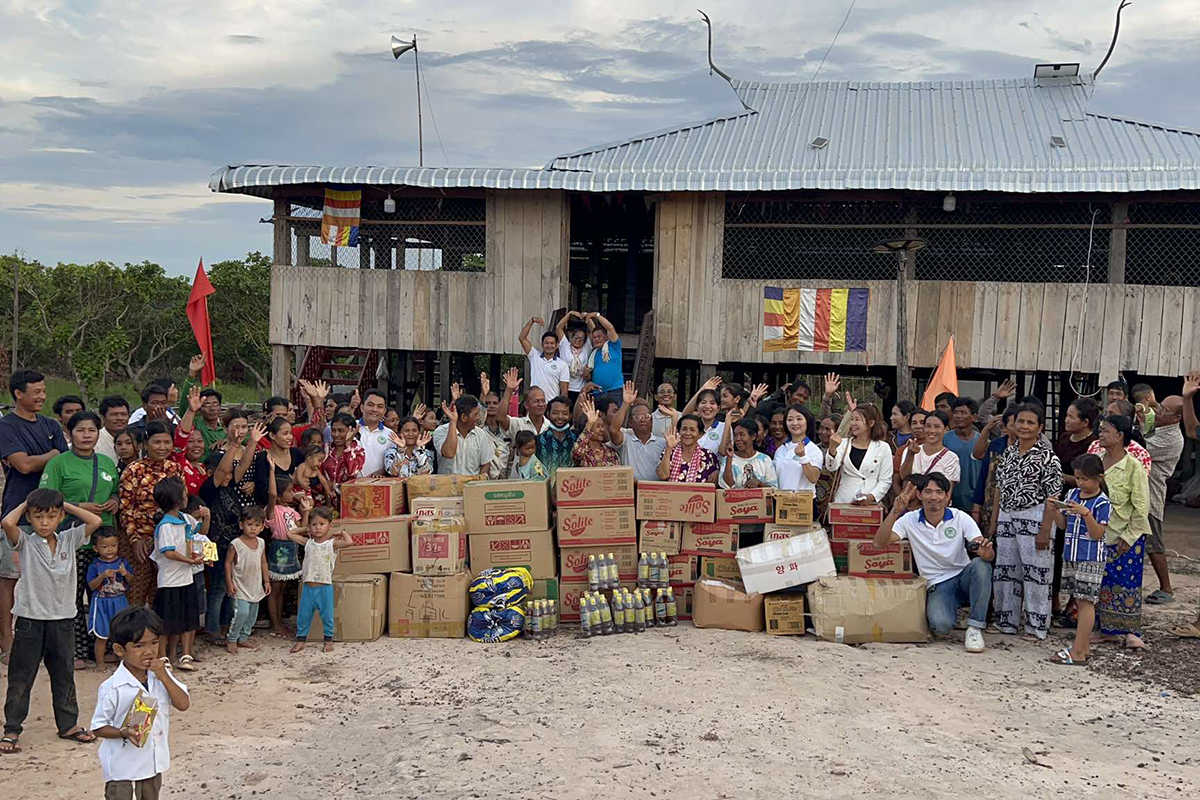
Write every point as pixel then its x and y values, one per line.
pixel 990 135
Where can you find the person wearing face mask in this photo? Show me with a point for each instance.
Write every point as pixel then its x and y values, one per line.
pixel 557 439
pixel 684 460
pixel 798 460
pixel 464 448
pixel 705 405
pixel 862 464
pixel 639 446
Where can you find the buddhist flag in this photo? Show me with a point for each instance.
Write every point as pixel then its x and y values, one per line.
pixel 197 314
pixel 815 320
pixel 945 378
pixel 341 217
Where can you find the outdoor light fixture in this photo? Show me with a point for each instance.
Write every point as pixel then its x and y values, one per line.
pixel 389 205
pixel 948 203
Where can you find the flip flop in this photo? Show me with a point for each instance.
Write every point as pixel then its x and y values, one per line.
pixel 14 746
pixel 1063 659
pixel 185 664
pixel 1186 631
pixel 81 736
pixel 1160 598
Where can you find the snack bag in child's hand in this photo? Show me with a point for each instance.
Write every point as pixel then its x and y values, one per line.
pixel 210 552
pixel 139 721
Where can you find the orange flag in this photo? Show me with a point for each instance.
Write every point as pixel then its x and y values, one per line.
pixel 945 378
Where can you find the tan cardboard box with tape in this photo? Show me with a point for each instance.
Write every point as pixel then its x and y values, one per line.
pixel 428 606
pixel 507 506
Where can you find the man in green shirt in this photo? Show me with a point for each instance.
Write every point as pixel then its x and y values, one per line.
pixel 208 421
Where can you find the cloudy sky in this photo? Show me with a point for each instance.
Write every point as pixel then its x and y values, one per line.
pixel 114 113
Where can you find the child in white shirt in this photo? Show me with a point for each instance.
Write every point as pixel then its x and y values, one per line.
pixel 320 555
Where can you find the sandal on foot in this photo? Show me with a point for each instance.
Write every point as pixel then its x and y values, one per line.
pixel 81 736
pixel 9 746
pixel 1187 631
pixel 186 664
pixel 1160 598
pixel 1063 659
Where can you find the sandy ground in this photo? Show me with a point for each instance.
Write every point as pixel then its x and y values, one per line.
pixel 671 713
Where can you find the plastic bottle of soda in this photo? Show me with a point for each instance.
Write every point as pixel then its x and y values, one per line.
pixel 660 608
pixel 672 608
pixel 594 615
pixel 618 612
pixel 553 604
pixel 643 575
pixel 584 622
pixel 639 612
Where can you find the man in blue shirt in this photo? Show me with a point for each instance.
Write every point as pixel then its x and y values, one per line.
pixel 961 440
pixel 608 374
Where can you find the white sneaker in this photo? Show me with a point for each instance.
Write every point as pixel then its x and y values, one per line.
pixel 975 643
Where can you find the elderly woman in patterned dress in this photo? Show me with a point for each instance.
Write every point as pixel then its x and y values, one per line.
pixel 138 509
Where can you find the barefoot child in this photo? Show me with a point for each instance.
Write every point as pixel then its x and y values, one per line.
pixel 283 554
pixel 320 554
pixel 1084 516
pixel 131 771
pixel 107 579
pixel 45 611
pixel 246 577
pixel 176 602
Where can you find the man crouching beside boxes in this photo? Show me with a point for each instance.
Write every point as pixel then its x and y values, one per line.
pixel 952 555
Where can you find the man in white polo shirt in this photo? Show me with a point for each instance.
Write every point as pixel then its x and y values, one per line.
pixel 638 445
pixel 546 370
pixel 372 434
pixel 943 540
pixel 463 446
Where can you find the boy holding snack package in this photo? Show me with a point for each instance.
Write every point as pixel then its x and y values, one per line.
pixel 133 709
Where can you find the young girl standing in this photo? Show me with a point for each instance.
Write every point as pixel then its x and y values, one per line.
pixel 320 554
pixel 107 579
pixel 247 580
pixel 176 601
pixel 1084 517
pixel 283 552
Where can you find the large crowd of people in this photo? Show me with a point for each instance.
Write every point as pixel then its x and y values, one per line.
pixel 202 512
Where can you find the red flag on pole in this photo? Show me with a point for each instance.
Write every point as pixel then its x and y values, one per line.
pixel 197 312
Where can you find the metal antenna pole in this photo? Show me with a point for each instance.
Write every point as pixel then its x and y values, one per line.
pixel 420 129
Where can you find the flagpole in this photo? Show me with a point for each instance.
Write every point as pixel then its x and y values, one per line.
pixel 420 127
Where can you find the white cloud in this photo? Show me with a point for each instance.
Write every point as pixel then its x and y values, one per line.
pixel 115 205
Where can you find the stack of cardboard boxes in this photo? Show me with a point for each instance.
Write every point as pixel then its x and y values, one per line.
pixel 687 513
pixel 429 599
pixel 595 507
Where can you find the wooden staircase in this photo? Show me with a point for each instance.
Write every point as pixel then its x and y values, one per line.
pixel 343 368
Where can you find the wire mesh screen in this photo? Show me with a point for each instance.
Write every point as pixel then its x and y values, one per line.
pixel 1166 252
pixel 423 233
pixel 977 241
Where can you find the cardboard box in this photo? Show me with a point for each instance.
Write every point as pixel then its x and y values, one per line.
pixel 726 605
pixel 856 610
pixel 437 507
pixel 841 554
pixel 676 502
pixel 660 536
pixel 573 562
pixel 746 505
pixel 723 568
pixel 865 560
pixel 784 614
pixel 359 609
pixel 794 508
pixel 710 538
pixel 848 514
pixel 439 545
pixel 533 550
pixel 545 589
pixel 507 506
pixel 843 530
pixel 593 486
pixel 771 566
pixel 438 485
pixel 428 606
pixel 683 569
pixel 773 532
pixel 685 595
pixel 380 546
pixel 601 526
pixel 372 498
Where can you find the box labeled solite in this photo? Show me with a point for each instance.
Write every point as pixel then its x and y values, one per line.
pixel 594 486
pixel 596 525
pixel 676 502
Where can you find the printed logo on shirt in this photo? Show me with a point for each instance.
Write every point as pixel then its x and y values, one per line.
pixel 106 477
pixel 712 434
pixel 382 439
pixel 950 532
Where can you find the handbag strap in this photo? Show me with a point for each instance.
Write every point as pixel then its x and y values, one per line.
pixel 95 477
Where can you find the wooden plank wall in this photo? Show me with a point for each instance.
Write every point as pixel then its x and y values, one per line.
pixel 527 255
pixel 1101 328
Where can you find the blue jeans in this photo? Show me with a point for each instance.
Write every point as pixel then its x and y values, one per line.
pixel 244 615
pixel 315 598
pixel 971 587
pixel 219 605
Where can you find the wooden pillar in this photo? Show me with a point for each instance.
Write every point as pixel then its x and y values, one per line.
pixel 595 254
pixel 281 370
pixel 364 251
pixel 444 375
pixel 283 232
pixel 1116 243
pixel 302 247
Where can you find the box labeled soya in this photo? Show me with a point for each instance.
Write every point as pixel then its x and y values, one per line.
pixel 745 505
pixel 594 486
pixel 439 545
pixel 676 502
pixel 380 545
pixel 865 560
pixel 683 569
pixel 600 525
pixel 710 538
pixel 507 506
pixel 372 498
pixel 660 536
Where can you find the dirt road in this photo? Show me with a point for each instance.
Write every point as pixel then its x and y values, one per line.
pixel 671 713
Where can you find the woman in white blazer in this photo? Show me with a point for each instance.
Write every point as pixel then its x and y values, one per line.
pixel 865 459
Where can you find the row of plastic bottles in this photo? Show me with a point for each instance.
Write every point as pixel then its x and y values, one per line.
pixel 653 571
pixel 603 572
pixel 541 618
pixel 631 611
